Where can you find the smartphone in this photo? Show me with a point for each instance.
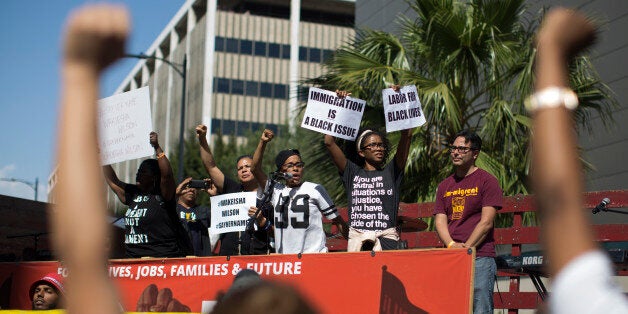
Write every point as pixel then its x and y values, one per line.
pixel 198 184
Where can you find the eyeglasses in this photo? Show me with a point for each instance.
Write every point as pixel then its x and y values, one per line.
pixel 374 146
pixel 460 149
pixel 291 165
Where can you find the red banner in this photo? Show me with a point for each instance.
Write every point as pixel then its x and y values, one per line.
pixel 406 281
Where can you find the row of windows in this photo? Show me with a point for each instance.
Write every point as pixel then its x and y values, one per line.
pixel 240 128
pixel 271 50
pixel 256 89
pixel 250 88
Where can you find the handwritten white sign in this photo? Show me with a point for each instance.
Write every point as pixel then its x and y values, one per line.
pixel 402 110
pixel 328 114
pixel 125 124
pixel 230 212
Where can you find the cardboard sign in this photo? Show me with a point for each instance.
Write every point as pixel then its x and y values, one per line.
pixel 402 110
pixel 328 114
pixel 230 212
pixel 124 122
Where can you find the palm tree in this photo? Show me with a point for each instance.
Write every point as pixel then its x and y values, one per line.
pixel 472 63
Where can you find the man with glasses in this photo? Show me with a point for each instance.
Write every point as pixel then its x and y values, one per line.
pixel 299 206
pixel 465 207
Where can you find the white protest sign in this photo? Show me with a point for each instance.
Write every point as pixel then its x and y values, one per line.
pixel 328 114
pixel 230 212
pixel 402 110
pixel 124 122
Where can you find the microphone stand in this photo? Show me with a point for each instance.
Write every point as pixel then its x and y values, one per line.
pixel 250 225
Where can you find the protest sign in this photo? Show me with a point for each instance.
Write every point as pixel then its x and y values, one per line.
pixel 230 212
pixel 328 114
pixel 402 110
pixel 124 122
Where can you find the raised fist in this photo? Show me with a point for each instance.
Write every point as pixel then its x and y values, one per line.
pixel 267 136
pixel 96 35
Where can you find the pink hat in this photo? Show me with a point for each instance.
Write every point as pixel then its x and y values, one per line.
pixel 52 279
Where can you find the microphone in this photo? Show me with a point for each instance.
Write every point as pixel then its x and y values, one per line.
pixel 601 206
pixel 281 175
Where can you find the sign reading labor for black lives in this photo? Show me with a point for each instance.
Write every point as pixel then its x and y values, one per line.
pixel 402 109
pixel 230 212
pixel 329 114
pixel 124 122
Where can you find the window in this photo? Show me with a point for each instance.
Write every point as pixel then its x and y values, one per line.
pixel 302 53
pixel 280 91
pixel 221 85
pixel 251 88
pixel 260 48
pixel 237 87
pixel 232 45
pixel 327 54
pixel 266 90
pixel 273 50
pixel 285 51
pixel 315 55
pixel 219 44
pixel 246 47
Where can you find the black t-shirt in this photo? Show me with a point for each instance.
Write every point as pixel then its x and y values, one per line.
pixel 152 227
pixel 373 196
pixel 230 241
pixel 195 221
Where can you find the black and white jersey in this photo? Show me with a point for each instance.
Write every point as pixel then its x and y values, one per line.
pixel 298 217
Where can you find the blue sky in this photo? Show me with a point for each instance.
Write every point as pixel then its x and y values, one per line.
pixel 30 41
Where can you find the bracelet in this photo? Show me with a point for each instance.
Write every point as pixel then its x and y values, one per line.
pixel 552 97
pixel 160 155
pixel 450 243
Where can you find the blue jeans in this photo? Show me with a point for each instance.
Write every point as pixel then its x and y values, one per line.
pixel 483 283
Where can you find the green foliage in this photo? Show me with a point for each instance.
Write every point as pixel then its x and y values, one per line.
pixel 472 63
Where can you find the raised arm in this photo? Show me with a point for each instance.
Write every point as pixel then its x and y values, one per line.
pixel 258 157
pixel 337 156
pixel 557 174
pixel 403 149
pixel 114 183
pixel 167 178
pixel 208 158
pixel 94 38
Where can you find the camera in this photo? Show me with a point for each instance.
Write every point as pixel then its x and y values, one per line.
pixel 198 184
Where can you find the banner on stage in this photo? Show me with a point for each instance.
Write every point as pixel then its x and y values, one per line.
pixel 329 114
pixel 230 212
pixel 402 109
pixel 124 122
pixel 402 281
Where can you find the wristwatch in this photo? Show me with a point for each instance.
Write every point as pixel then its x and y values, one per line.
pixel 552 97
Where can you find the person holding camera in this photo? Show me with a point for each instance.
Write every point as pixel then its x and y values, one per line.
pixel 152 226
pixel 195 218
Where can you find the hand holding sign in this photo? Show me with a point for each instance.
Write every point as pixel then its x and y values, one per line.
pixel 402 108
pixel 334 114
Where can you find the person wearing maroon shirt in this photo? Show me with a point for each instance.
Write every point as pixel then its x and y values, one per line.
pixel 465 207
